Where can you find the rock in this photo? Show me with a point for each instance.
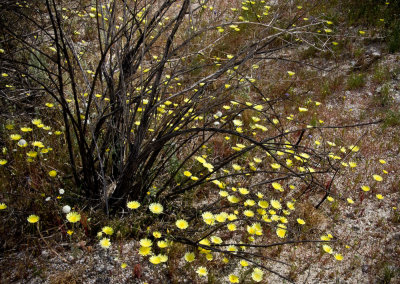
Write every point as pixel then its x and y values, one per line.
pixel 396 237
pixel 376 54
pixel 100 268
pixel 103 280
pixel 374 51
pixel 365 268
pixel 396 97
pixel 364 62
pixel 45 253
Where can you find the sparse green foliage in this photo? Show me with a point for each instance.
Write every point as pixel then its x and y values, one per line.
pixel 392 119
pixel 387 273
pixel 381 74
pixel 383 98
pixel 381 13
pixel 355 81
pixel 393 37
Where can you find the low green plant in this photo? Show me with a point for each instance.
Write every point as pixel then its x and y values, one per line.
pixel 331 85
pixel 395 215
pixel 356 81
pixel 380 14
pixel 381 74
pixel 383 99
pixel 393 37
pixel 388 272
pixel 391 119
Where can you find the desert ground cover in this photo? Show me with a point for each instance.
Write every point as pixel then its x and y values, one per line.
pixel 203 141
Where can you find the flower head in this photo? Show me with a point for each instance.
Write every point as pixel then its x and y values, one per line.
pixel 146 242
pixel 327 249
pixel 263 204
pixel 31 154
pixel 281 232
pixel 216 240
pixel 189 256
pixel 163 257
pixel 105 243
pixel 25 129
pixel 202 271
pixel 248 213
pixel 182 224
pixel 208 218
pixel 73 217
pixel 15 136
pixel 257 274
pixel 276 204
pixel 231 227
pixel 66 209
pixel 244 263
pixel 162 244
pixel 36 121
pixel 237 122
pixel 365 188
pixel 233 278
pixel 107 230
pixel 221 217
pixel 244 191
pixel 300 221
pixel 231 248
pixel 277 186
pixel 157 235
pixel 22 143
pixel 33 219
pixel 338 256
pixel 290 205
pixel 3 206
pixel 133 204
pixel 275 166
pixel 352 164
pixel 156 208
pixel 233 199
pixel 144 251
pixel 249 202
pixel 155 259
pixel 236 167
pixel 38 144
